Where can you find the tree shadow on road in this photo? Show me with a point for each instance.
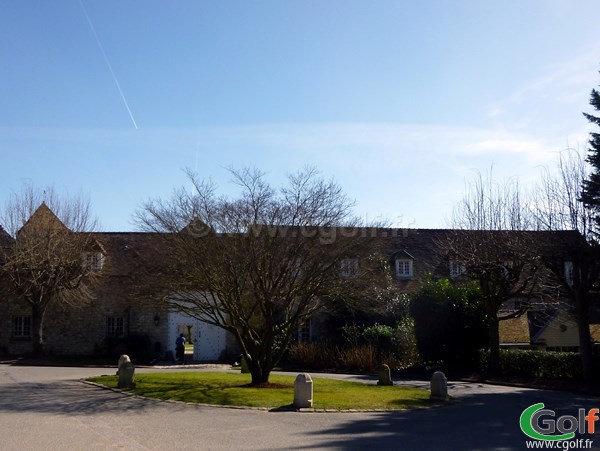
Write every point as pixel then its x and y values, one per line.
pixel 71 397
pixel 475 422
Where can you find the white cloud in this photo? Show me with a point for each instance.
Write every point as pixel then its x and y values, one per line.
pixel 412 174
pixel 528 147
pixel 566 85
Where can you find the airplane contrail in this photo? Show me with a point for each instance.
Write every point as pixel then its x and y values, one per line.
pixel 89 21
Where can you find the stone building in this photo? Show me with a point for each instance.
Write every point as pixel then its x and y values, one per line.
pixel 128 312
pixel 123 314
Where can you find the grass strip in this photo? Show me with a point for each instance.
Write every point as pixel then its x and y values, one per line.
pixel 233 389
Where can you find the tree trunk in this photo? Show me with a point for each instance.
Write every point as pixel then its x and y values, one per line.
pixel 494 331
pixel 37 328
pixel 260 364
pixel 260 374
pixel 585 341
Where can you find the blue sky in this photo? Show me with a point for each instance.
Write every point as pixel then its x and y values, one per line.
pixel 400 101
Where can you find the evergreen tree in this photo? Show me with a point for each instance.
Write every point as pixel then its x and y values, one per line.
pixel 590 194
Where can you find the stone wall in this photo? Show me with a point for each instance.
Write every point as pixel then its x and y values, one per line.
pixel 9 308
pixel 82 329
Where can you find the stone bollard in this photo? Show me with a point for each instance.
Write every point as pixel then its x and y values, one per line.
pixel 303 391
pixel 439 386
pixel 385 375
pixel 244 365
pixel 126 372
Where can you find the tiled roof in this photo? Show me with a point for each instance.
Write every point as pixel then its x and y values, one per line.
pixel 514 330
pixel 518 330
pixel 595 333
pixel 127 252
pixel 5 238
pixel 42 217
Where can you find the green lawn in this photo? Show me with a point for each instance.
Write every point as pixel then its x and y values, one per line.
pixel 232 389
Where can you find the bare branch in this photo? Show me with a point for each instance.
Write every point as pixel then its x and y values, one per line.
pixel 258 264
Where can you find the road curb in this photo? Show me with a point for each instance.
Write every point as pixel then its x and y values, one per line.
pixel 264 409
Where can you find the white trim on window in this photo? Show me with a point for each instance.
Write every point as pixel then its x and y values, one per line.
pixel 94 261
pixel 404 268
pixel 456 269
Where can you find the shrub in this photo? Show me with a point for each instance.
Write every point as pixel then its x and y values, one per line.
pixel 450 323
pixel 313 355
pixel 324 356
pixel 539 364
pixel 404 344
pixel 365 349
pixel 379 336
pixel 352 334
pixel 361 358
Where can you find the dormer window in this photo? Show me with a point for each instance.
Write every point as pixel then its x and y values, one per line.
pixel 404 268
pixel 569 273
pixel 403 264
pixel 93 261
pixel 456 270
pixel 349 267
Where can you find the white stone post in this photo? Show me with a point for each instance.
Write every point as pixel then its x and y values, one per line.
pixel 439 386
pixel 126 372
pixel 385 375
pixel 303 391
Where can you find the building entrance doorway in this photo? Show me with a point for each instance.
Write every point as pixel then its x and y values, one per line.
pixel 205 342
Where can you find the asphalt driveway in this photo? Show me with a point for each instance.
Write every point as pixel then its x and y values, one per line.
pixel 47 408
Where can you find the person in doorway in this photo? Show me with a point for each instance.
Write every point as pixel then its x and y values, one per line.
pixel 180 349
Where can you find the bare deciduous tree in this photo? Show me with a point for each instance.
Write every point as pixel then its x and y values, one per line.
pixel 557 206
pixel 556 203
pixel 491 242
pixel 261 264
pixel 43 261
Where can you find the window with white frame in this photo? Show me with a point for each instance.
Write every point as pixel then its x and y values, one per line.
pixel 93 261
pixel 349 267
pixel 569 273
pixel 115 326
pixel 21 326
pixel 404 268
pixel 456 269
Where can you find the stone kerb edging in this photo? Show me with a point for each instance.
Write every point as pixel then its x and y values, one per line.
pixel 264 409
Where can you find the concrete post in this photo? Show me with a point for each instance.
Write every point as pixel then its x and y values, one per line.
pixel 126 372
pixel 303 391
pixel 385 375
pixel 439 386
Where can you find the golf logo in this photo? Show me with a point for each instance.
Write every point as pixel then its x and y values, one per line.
pixel 539 423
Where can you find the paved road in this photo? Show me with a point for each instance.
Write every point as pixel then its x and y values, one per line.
pixel 47 408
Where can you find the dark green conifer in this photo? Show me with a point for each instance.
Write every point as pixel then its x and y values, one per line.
pixel 590 194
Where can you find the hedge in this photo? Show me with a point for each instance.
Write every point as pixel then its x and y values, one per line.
pixel 539 364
